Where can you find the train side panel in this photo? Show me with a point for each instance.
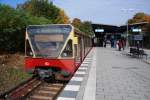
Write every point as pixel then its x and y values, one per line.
pixel 82 48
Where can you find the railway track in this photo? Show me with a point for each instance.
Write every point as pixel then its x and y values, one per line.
pixel 21 90
pixel 47 91
pixel 34 89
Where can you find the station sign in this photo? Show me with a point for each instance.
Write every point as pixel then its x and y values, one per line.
pixel 136 30
pixel 99 30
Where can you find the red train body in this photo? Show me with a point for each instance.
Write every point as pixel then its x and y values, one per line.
pixel 51 54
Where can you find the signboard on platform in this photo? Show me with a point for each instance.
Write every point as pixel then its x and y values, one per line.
pixel 99 30
pixel 138 37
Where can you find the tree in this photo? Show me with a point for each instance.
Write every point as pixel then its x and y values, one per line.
pixel 36 7
pixel 62 18
pixel 83 26
pixel 146 18
pixel 42 8
pixel 10 21
pixel 76 22
pixel 87 27
pixel 139 17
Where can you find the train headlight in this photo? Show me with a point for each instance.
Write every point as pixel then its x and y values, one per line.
pixel 46 63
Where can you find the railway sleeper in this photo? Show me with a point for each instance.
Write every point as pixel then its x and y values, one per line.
pixel 47 92
pixel 37 97
pixel 49 89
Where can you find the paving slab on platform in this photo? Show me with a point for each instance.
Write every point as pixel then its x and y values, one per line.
pixel 120 77
pixel 109 75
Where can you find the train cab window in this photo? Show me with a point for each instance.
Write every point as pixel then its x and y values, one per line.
pixel 28 50
pixel 68 50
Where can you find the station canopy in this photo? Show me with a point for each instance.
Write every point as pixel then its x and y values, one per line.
pixel 102 29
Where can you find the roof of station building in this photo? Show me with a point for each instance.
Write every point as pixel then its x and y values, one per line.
pixel 116 29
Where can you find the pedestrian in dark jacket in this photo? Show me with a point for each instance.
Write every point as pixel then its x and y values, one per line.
pixel 119 45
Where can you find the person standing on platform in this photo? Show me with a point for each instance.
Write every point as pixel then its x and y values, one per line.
pixel 112 43
pixel 105 43
pixel 119 45
pixel 123 43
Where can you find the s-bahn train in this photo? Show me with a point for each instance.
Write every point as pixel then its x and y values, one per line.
pixel 55 50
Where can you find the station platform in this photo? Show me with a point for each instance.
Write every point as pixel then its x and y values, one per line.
pixel 108 74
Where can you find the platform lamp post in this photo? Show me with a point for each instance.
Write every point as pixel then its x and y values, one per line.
pixel 127 34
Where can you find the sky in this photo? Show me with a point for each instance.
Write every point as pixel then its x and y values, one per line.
pixel 111 12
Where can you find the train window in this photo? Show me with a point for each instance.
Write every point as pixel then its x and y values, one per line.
pixel 48 40
pixel 68 50
pixel 28 50
pixel 47 45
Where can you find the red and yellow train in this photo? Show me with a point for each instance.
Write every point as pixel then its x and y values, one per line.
pixel 55 50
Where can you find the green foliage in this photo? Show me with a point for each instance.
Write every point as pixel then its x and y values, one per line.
pixel 83 26
pixel 42 8
pixel 12 27
pixel 62 18
pixel 76 22
pixel 10 21
pixel 32 20
pixel 87 28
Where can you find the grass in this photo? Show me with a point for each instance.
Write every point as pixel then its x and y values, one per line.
pixel 11 71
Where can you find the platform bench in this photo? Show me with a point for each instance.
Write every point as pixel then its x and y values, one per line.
pixel 137 52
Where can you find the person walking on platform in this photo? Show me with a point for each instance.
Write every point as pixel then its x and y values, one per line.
pixel 112 43
pixel 123 43
pixel 119 45
pixel 104 42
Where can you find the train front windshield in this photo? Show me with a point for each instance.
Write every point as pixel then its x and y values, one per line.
pixel 48 41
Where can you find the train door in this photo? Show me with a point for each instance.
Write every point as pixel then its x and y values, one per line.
pixel 84 44
pixel 82 48
pixel 78 51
